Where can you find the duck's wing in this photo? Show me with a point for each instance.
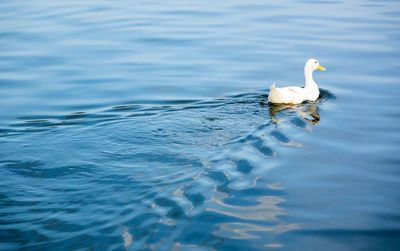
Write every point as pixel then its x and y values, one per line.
pixel 292 94
pixel 295 89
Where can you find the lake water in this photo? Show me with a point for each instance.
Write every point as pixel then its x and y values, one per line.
pixel 144 125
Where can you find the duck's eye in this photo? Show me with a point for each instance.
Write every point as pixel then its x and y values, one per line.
pixel 315 61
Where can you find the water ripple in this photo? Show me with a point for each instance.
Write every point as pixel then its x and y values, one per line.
pixel 226 163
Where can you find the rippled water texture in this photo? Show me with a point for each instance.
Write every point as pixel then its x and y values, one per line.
pixel 142 125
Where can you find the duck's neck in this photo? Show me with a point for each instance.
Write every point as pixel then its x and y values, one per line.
pixel 310 83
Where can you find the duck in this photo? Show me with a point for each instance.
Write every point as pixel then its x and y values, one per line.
pixel 295 94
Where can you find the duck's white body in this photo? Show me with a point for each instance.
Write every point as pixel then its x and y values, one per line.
pixel 295 94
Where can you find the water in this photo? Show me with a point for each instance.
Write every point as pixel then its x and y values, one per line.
pixel 145 125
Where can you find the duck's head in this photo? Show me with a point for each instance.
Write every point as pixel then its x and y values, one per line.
pixel 312 65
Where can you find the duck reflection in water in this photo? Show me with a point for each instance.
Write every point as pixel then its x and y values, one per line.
pixel 307 111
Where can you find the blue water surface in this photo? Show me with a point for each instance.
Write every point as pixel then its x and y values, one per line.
pixel 144 125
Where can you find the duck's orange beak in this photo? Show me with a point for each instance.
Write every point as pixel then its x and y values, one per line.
pixel 321 68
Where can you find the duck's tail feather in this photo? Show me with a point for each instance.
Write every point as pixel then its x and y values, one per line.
pixel 273 92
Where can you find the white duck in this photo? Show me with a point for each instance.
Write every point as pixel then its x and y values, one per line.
pixel 294 94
